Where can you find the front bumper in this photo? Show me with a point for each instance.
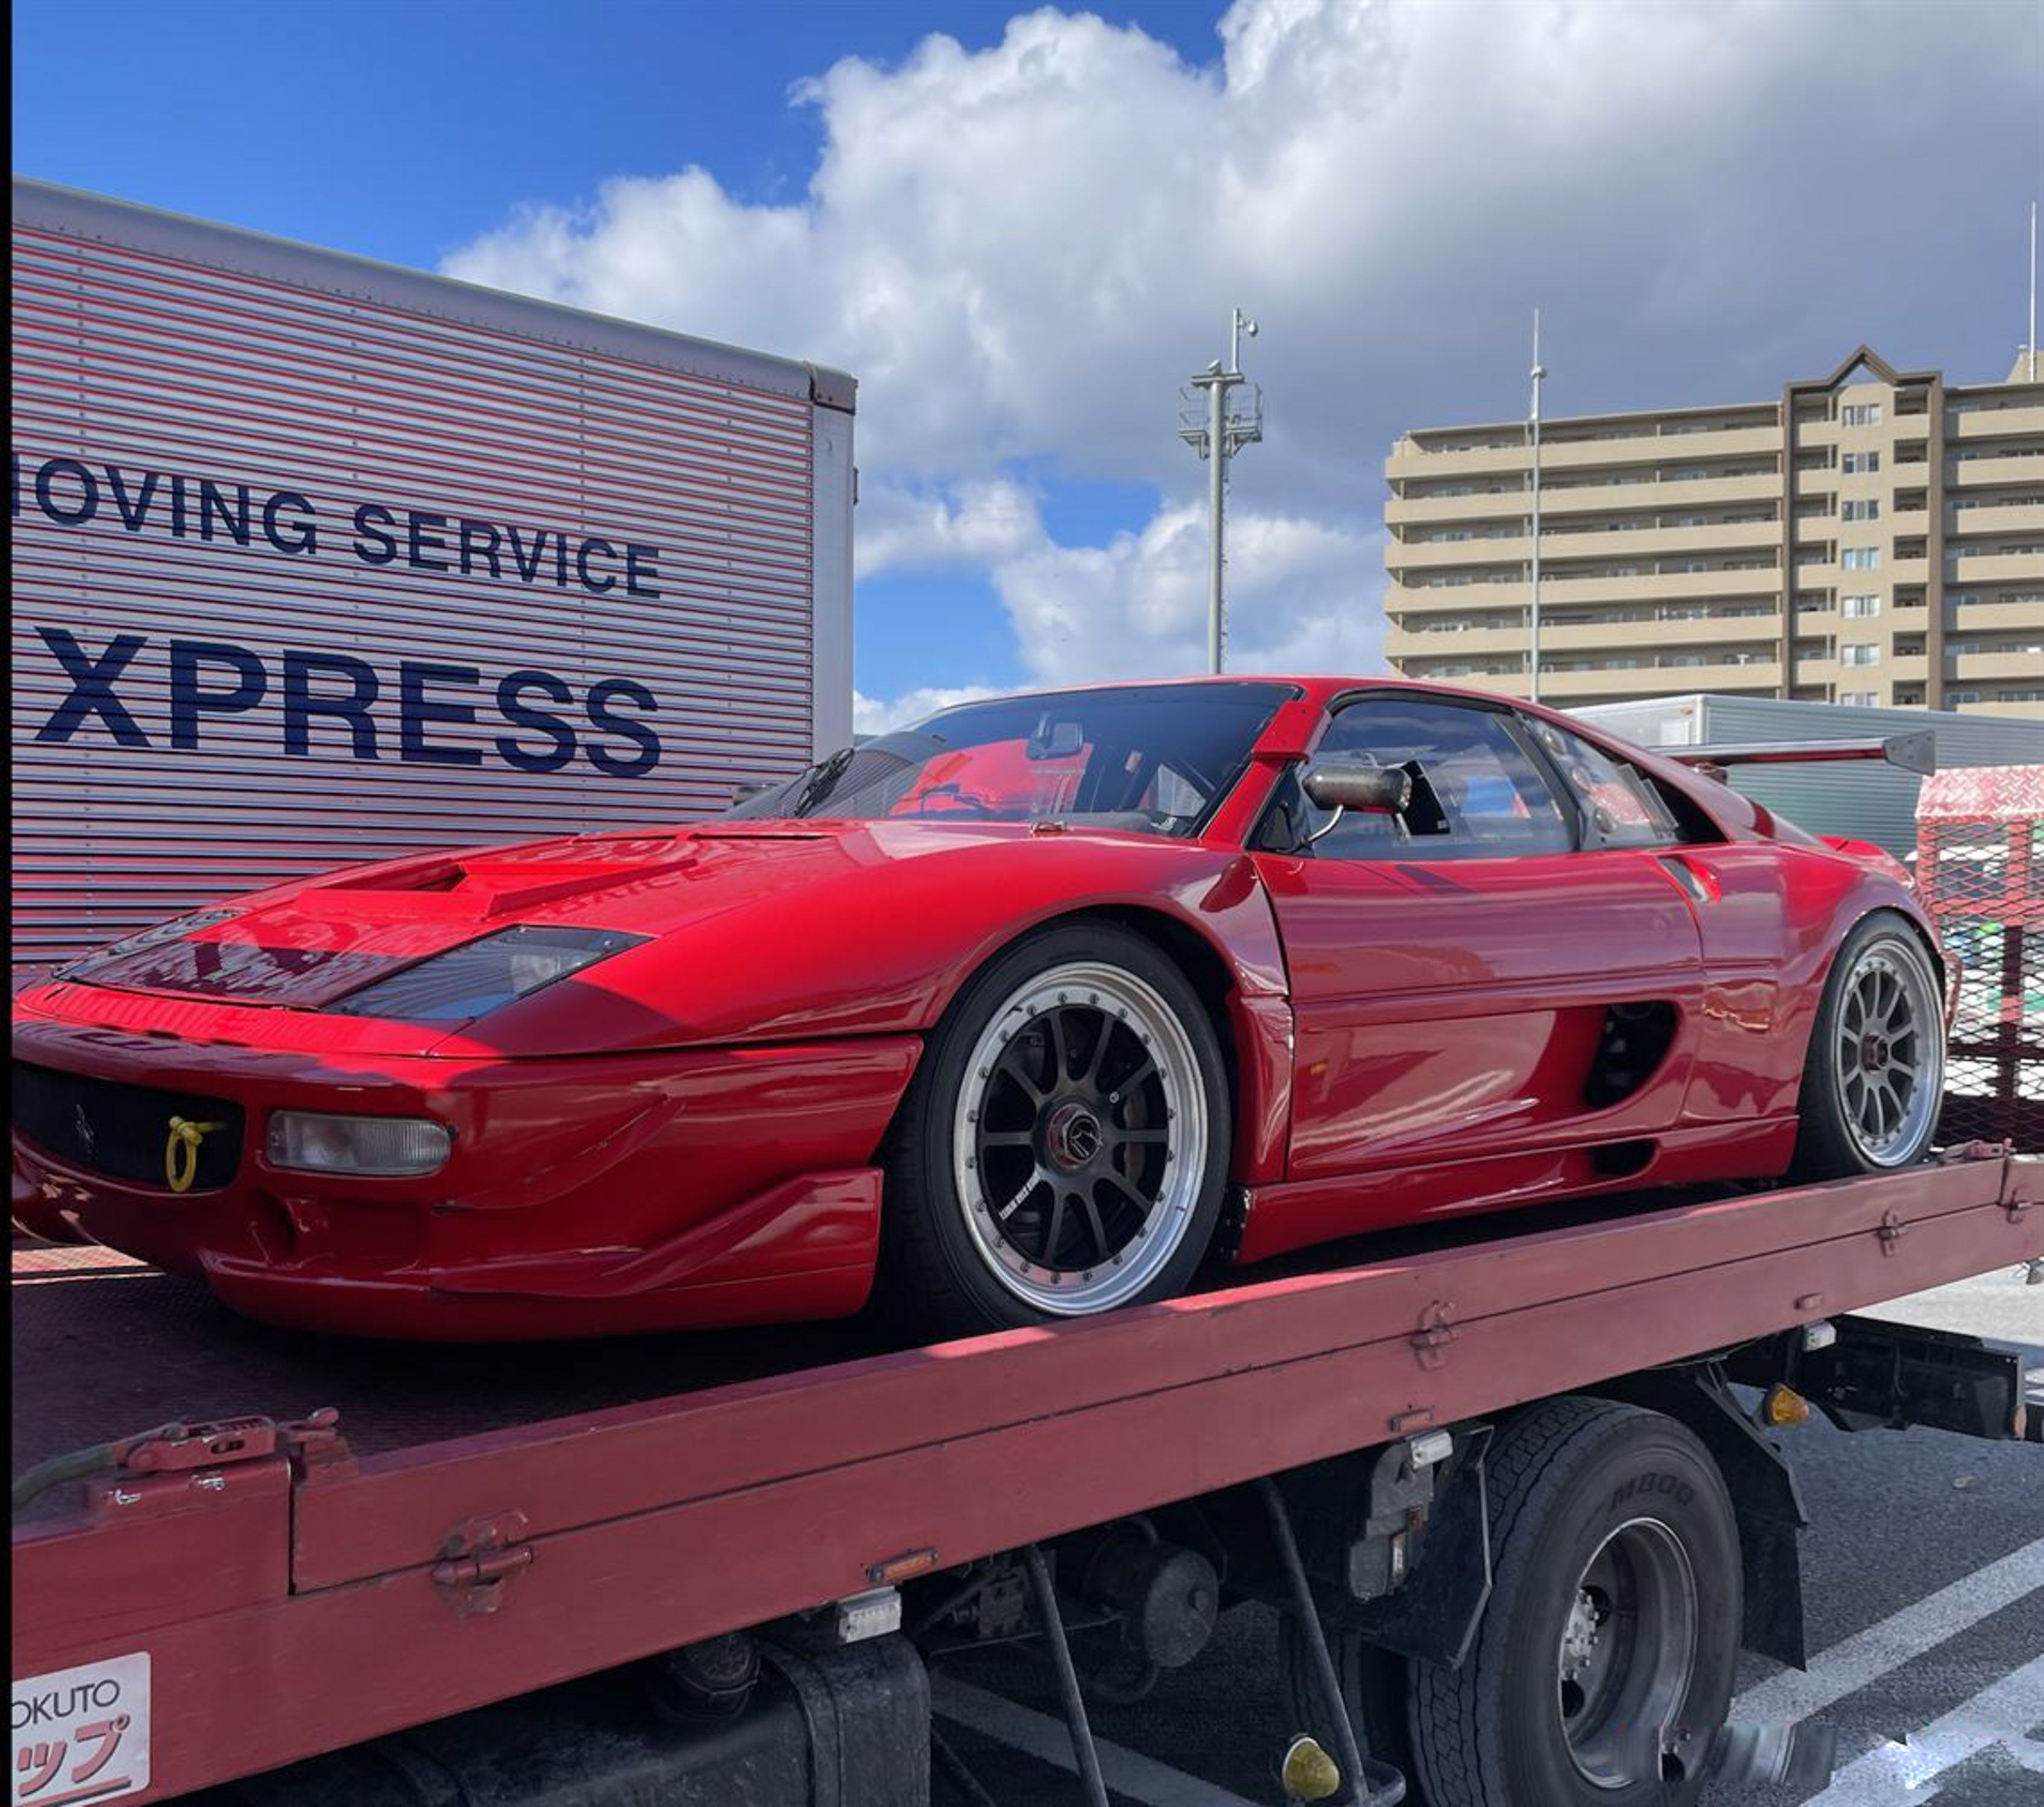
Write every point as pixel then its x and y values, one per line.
pixel 584 1196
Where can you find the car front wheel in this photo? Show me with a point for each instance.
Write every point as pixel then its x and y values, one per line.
pixel 1065 1145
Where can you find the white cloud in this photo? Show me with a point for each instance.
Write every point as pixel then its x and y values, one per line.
pixel 1301 598
pixel 931 528
pixel 1022 251
pixel 876 714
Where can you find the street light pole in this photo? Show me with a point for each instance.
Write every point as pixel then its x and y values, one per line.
pixel 1533 611
pixel 1217 435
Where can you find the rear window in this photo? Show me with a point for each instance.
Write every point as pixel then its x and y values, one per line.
pixel 1624 807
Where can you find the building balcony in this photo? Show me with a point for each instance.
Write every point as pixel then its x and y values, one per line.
pixel 1401 643
pixel 1639 638
pixel 1647 637
pixel 1645 588
pixel 1449 554
pixel 2013 665
pixel 2011 712
pixel 1662 495
pixel 1961 524
pixel 1566 687
pixel 1900 571
pixel 1970 567
pixel 1991 617
pixel 1638 546
pixel 1410 463
pixel 1986 473
pixel 1909 668
pixel 1512 504
pixel 1977 423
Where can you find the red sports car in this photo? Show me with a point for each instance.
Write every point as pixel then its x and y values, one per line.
pixel 1022 1012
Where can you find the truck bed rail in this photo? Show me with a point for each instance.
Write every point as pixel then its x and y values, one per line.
pixel 399 1586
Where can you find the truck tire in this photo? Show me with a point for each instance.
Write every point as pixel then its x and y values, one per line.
pixel 1064 1145
pixel 1876 1065
pixel 1604 1661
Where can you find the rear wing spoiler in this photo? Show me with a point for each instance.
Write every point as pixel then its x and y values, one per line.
pixel 1915 751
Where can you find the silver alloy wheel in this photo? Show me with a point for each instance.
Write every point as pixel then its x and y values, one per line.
pixel 1888 1055
pixel 1080 1143
pixel 1627 1656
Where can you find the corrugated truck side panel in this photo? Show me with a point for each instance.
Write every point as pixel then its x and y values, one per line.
pixel 316 562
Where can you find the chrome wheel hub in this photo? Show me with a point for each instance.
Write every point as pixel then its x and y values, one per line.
pixel 1889 1062
pixel 1626 1654
pixel 1081 1140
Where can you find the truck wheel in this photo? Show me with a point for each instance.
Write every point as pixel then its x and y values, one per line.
pixel 1875 1067
pixel 1604 1660
pixel 1065 1143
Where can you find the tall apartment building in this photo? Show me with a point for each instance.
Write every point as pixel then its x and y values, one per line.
pixel 1876 536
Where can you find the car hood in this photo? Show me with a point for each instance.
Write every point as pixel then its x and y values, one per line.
pixel 752 930
pixel 309 944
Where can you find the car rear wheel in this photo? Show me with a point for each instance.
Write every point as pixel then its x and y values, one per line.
pixel 1064 1147
pixel 1876 1066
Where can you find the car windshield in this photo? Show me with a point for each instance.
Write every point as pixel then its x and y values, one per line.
pixel 1151 759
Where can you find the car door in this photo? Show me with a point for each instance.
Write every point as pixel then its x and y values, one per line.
pixel 1456 971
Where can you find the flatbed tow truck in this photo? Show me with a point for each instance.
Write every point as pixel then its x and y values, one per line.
pixel 1498 1481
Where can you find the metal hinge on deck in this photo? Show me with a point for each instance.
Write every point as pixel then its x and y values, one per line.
pixel 311 1442
pixel 479 1559
pixel 1436 1331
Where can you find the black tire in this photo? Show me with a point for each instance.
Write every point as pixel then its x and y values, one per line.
pixel 1830 1143
pixel 1569 1479
pixel 1373 1683
pixel 936 1276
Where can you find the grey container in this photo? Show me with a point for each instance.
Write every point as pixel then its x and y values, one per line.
pixel 1866 800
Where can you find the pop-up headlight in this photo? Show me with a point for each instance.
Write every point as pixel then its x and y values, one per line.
pixel 174 930
pixel 484 975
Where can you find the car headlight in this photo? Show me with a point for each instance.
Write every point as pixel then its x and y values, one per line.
pixel 484 975
pixel 176 929
pixel 311 1141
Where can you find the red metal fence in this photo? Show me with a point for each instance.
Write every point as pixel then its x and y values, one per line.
pixel 1979 868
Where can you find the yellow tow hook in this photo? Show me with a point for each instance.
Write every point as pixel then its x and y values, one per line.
pixel 180 1151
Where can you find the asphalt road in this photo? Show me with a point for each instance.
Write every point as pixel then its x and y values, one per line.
pixel 1924 1582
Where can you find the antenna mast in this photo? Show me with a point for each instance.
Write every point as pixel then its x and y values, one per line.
pixel 1217 430
pixel 1533 590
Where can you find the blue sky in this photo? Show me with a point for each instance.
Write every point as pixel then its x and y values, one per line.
pixel 400 128
pixel 1022 241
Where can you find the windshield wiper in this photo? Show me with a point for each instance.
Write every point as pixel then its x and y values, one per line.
pixel 822 781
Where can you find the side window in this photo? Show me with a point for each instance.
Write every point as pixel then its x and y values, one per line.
pixel 1476 793
pixel 1624 808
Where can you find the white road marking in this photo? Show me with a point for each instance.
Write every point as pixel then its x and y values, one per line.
pixel 1038 1735
pixel 1850 1665
pixel 1896 1775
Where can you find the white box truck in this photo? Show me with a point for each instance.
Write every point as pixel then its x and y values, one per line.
pixel 316 560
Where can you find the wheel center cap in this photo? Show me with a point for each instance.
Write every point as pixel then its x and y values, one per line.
pixel 1873 1054
pixel 1072 1136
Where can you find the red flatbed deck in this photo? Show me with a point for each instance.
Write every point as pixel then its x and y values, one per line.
pixel 651 1492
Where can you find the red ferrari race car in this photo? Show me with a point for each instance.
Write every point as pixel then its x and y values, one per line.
pixel 1024 1011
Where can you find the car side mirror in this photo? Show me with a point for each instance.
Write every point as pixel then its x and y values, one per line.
pixel 1369 790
